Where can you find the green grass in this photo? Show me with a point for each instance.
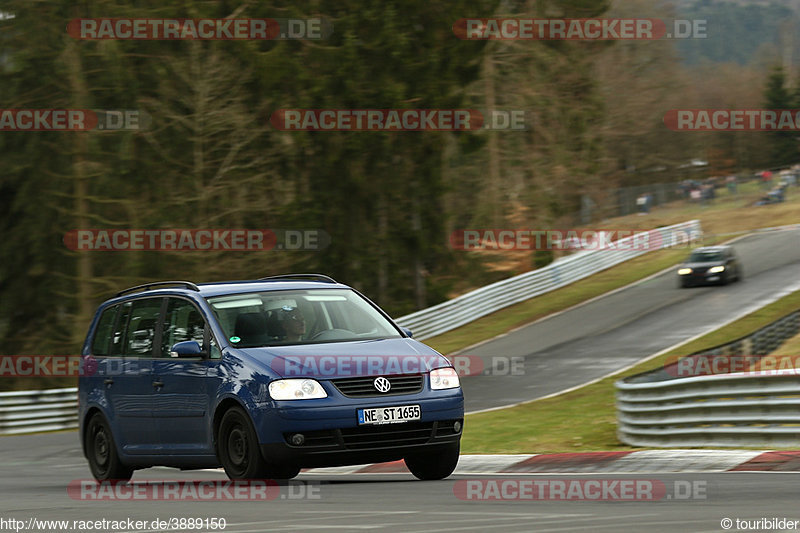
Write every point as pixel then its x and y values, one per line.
pixel 790 347
pixel 585 419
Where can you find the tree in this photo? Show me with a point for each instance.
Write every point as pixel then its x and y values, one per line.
pixel 783 144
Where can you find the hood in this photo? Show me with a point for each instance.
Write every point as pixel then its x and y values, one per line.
pixel 349 359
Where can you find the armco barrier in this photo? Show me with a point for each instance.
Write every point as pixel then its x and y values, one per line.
pixel 32 411
pixel 658 409
pixel 728 410
pixel 486 300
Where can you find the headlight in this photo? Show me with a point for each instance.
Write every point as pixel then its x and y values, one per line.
pixel 296 389
pixel 716 269
pixel 444 378
pixel 684 271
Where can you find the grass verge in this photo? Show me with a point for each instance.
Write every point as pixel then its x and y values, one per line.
pixel 585 419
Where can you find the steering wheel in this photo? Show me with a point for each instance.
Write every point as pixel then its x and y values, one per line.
pixel 332 334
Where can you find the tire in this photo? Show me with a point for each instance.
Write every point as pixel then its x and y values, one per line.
pixel 101 452
pixel 239 451
pixel 434 465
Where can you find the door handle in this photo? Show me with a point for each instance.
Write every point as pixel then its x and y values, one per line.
pixel 158 384
pixel 108 381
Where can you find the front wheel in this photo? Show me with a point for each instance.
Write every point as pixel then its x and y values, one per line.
pixel 101 451
pixel 238 446
pixel 435 464
pixel 239 451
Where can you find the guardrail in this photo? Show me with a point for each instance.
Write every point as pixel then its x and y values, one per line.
pixel 33 411
pixel 719 410
pixel 486 300
pixel 659 408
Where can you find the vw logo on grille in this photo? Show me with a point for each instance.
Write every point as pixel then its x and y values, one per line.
pixel 382 384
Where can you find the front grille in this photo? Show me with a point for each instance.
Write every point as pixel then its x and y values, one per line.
pixel 363 386
pixel 387 435
pixel 379 436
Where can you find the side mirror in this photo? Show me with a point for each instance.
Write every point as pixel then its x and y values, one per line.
pixel 186 349
pixel 407 332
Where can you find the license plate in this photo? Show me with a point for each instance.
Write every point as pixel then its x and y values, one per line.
pixel 713 278
pixel 389 415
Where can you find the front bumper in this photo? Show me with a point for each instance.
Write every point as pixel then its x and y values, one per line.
pixel 365 444
pixel 333 437
pixel 702 278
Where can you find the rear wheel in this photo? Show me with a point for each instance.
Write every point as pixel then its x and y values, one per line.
pixel 101 451
pixel 434 465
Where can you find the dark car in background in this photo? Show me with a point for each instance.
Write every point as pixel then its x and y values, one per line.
pixel 263 378
pixel 710 265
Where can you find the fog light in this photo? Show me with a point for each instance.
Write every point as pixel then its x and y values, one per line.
pixel 457 426
pixel 298 439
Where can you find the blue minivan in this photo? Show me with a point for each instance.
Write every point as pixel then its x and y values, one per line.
pixel 263 378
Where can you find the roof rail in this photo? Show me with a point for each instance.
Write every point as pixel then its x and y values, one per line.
pixel 148 286
pixel 317 277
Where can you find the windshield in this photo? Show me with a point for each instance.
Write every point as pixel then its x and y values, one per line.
pixel 276 318
pixel 705 257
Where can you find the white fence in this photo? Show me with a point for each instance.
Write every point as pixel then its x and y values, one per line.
pixel 33 411
pixel 486 300
pixel 661 408
pixel 742 409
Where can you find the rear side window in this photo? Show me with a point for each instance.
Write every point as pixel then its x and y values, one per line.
pixel 140 332
pixel 101 344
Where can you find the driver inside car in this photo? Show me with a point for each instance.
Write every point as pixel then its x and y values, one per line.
pixel 293 323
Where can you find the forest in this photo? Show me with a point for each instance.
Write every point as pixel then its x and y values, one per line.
pixel 208 158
